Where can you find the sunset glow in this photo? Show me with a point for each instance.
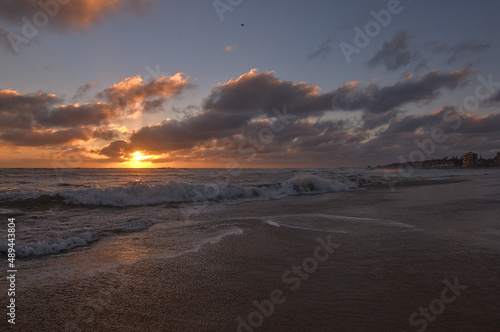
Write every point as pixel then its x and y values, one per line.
pixel 326 95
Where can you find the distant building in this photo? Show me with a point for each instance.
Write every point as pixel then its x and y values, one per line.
pixel 470 159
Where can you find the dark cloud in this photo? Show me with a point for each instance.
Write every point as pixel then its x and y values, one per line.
pixel 46 137
pixel 257 118
pixel 253 94
pixel 77 115
pixel 323 49
pixel 449 119
pixel 105 134
pixel 461 52
pixel 495 98
pixel 116 149
pixel 83 90
pixel 415 90
pixel 43 119
pixel 59 16
pixel 375 120
pixel 395 53
pixel 73 14
pixel 238 109
pixel 20 111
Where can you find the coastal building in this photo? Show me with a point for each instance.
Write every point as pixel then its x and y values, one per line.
pixel 470 159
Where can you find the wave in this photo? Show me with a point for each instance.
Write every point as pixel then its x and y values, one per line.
pixel 179 192
pixel 54 246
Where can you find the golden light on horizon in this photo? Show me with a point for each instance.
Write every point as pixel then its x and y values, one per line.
pixel 138 160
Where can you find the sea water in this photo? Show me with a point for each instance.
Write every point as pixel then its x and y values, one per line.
pixel 71 223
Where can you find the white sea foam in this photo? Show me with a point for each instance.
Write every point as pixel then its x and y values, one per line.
pixel 68 242
pixel 178 192
pixel 49 247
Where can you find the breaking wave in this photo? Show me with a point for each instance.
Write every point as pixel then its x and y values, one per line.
pixel 179 192
pixel 56 245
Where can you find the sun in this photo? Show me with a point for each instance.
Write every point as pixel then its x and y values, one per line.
pixel 138 160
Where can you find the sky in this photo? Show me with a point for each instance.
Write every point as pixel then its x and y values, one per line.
pixel 240 83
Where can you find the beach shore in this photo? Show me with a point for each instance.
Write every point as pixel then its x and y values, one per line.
pixel 421 256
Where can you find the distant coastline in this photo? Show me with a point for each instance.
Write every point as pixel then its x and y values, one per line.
pixel 443 163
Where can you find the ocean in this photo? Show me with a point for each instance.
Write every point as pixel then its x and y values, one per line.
pixel 79 224
pixel 63 209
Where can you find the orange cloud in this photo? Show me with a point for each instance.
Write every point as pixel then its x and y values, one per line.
pixel 72 14
pixel 230 48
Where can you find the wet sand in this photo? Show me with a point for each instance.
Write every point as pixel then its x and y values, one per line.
pixel 366 276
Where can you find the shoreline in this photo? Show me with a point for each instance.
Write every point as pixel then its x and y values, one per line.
pixel 374 280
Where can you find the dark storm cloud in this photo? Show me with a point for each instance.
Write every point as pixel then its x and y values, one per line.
pixel 395 53
pixel 323 49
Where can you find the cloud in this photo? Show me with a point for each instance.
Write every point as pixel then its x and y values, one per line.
pixel 459 52
pixel 259 93
pixel 132 95
pixel 83 90
pixel 230 48
pixel 256 118
pixel 73 15
pixel 234 112
pixel 414 90
pixel 58 16
pixel 66 116
pixel 495 98
pixel 47 137
pixel 323 49
pixel 449 119
pixel 116 149
pixel 43 119
pixel 395 53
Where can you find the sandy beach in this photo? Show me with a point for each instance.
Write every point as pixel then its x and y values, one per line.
pixel 422 257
